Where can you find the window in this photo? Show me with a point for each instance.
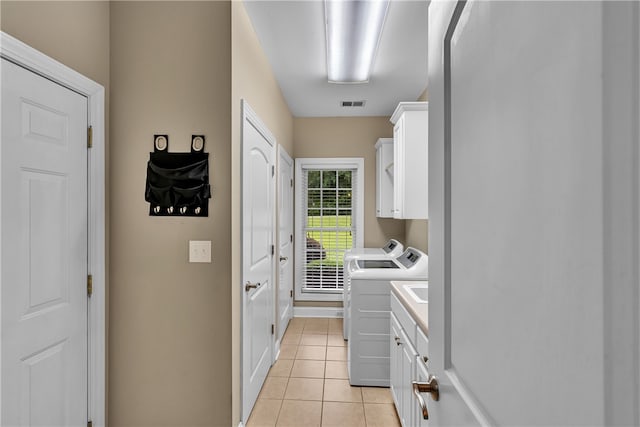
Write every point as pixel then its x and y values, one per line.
pixel 329 221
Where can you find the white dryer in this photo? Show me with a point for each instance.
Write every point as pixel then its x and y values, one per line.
pixel 369 309
pixel 391 249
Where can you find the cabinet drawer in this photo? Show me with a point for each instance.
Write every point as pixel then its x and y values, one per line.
pixel 404 318
pixel 422 345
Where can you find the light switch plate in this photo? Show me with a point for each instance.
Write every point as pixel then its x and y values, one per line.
pixel 199 250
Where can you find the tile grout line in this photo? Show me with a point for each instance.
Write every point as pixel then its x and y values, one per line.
pixel 324 378
pixel 364 413
pixel 289 377
pixel 282 402
pixel 280 409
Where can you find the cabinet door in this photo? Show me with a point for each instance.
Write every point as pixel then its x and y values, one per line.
pixel 410 139
pixel 408 363
pixel 398 159
pixel 384 178
pixel 396 362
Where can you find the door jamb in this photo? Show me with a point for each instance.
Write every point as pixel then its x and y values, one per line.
pixel 31 59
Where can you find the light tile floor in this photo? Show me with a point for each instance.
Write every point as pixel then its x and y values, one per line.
pixel 309 385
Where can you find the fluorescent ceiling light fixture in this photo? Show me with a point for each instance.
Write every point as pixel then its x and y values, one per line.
pixel 353 31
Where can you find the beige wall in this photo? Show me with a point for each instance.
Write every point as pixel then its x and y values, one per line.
pixel 350 137
pixel 417 234
pixel 252 80
pixel 417 230
pixel 170 341
pixel 74 33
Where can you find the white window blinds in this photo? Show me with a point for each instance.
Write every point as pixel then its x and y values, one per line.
pixel 328 227
pixel 328 207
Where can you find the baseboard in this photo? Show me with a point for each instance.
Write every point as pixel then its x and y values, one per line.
pixel 277 350
pixel 330 312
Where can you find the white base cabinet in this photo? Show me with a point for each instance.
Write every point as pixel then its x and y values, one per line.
pixel 403 361
pixel 408 346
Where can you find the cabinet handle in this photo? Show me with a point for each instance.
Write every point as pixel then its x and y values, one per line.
pixel 284 258
pixel 397 339
pixel 431 387
pixel 248 286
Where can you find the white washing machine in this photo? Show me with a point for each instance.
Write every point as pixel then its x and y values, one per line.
pixel 369 311
pixel 391 249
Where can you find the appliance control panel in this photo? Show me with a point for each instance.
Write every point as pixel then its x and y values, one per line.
pixel 409 258
pixel 391 245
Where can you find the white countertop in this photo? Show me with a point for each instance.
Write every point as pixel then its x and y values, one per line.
pixel 419 311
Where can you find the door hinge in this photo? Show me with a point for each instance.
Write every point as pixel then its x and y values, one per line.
pixel 291 238
pixel 291 294
pixel 292 182
pixel 89 423
pixel 89 285
pixel 90 136
pixel 273 329
pixel 273 249
pixel 273 170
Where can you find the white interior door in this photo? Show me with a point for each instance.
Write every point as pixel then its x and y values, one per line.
pixel 285 228
pixel 44 251
pixel 517 303
pixel 258 205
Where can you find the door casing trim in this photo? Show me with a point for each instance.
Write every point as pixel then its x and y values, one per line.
pixel 21 54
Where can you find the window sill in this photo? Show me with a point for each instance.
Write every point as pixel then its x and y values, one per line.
pixel 319 296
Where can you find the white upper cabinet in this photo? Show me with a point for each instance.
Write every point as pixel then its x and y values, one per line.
pixel 410 171
pixel 384 178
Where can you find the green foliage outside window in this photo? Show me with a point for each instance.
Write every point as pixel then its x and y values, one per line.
pixel 329 205
pixel 329 193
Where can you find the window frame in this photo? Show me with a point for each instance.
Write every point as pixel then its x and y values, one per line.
pixel 357 217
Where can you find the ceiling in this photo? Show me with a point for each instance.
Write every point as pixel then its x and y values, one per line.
pixel 292 35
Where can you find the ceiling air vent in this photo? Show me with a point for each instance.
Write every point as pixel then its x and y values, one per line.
pixel 353 103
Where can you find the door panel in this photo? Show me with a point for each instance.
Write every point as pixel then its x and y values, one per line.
pixel 260 345
pixel 258 193
pixel 517 262
pixel 285 220
pixel 546 274
pixel 43 206
pixel 44 251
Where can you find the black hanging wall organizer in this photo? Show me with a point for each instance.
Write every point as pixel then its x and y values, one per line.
pixel 178 183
